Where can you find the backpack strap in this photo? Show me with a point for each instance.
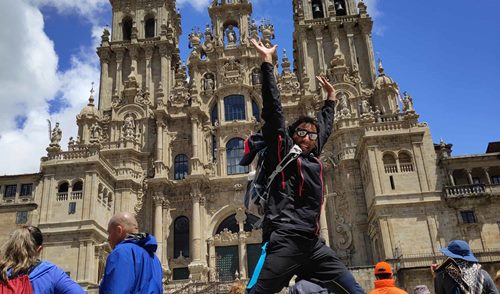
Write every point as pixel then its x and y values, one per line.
pixel 294 152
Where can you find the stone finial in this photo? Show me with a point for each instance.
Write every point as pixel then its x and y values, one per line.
pixel 362 8
pixel 380 67
pixel 285 63
pixel 91 97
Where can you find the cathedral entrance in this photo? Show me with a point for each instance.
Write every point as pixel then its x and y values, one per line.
pixel 227 263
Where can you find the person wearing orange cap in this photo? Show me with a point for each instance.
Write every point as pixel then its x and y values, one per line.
pixel 385 284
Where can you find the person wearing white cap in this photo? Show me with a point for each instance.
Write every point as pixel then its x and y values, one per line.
pixel 461 272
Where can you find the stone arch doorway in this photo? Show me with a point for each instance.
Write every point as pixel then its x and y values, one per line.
pixel 234 248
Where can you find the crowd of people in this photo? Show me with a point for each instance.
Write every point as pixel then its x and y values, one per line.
pixel 291 242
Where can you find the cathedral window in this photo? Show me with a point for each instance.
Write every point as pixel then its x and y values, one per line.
pixel 234 107
pixel 317 9
pixel 21 217
pixel 72 208
pixel 63 187
pixel 255 110
pixel 180 167
pixel 390 165
pixel 78 186
pixel 234 149
pixel 405 162
pixel 26 190
pixel 495 180
pixel 181 237
pixel 10 191
pixel 127 28
pixel 468 216
pixel 149 27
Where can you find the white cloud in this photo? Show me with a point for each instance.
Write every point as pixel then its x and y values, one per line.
pixel 29 79
pixel 197 4
pixel 87 8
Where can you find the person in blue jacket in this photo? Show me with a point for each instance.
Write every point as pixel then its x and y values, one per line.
pixel 20 256
pixel 132 266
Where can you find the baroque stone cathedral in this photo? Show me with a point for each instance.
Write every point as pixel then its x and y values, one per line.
pixel 165 139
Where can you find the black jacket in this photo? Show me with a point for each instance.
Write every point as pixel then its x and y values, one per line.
pixel 296 195
pixel 445 284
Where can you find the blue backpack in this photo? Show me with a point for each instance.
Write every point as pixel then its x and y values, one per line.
pixel 258 185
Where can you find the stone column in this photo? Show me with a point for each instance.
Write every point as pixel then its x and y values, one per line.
pixel 211 259
pixel 369 47
pixel 165 65
pixel 469 176
pixel 242 254
pixel 195 227
pixel 158 224
pixel 134 52
pixel 450 177
pixel 105 90
pixel 148 50
pixel 195 134
pixel 487 174
pixel 167 220
pixel 348 27
pixel 119 68
pixel 159 140
pixel 197 267
pixel 318 33
pixel 304 53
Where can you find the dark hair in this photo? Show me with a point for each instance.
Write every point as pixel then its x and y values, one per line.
pixel 302 119
pixel 384 276
pixel 36 234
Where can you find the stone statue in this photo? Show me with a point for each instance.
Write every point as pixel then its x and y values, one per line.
pixel 231 35
pixel 56 135
pixel 407 102
pixel 71 141
pixel 365 106
pixel 128 128
pixel 256 77
pixel 344 107
pixel 208 82
pixel 95 132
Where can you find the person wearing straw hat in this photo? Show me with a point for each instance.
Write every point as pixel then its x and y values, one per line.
pixel 461 272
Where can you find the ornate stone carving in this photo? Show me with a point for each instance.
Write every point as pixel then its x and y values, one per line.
pixel 232 71
pixel 96 134
pixel 407 103
pixel 128 127
pixel 343 111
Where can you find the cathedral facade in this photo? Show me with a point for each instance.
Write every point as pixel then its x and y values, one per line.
pixel 165 138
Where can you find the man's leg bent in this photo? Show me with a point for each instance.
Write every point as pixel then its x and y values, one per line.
pixel 325 268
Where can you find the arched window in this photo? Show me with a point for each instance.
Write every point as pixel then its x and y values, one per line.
pixel 180 167
pixel 78 186
pixel 231 224
pixel 127 28
pixel 63 187
pixel 255 110
pixel 149 27
pixel 234 107
pixel 181 237
pixel 317 9
pixel 234 152
pixel 405 162
pixel 389 163
pixel 214 115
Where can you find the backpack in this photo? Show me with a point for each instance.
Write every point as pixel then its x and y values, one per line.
pixel 18 285
pixel 257 192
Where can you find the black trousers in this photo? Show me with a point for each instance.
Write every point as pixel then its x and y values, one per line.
pixel 290 253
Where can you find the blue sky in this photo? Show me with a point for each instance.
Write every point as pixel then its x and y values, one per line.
pixel 444 53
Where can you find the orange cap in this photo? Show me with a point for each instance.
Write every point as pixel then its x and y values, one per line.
pixel 383 268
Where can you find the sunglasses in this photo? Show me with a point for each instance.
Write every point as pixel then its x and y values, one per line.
pixel 302 133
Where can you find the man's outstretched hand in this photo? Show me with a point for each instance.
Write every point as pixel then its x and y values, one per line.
pixel 325 84
pixel 265 53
